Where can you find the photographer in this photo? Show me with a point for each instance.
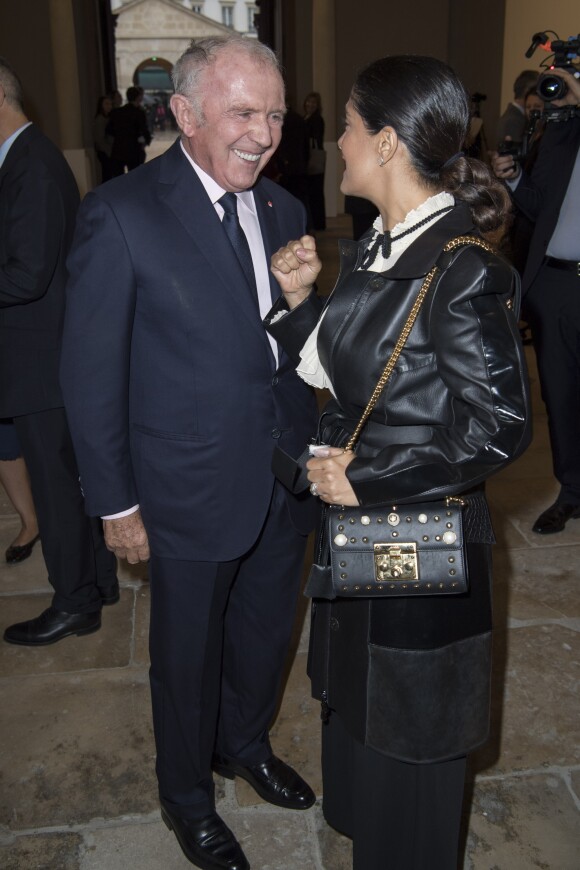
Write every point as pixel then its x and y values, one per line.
pixel 512 124
pixel 550 197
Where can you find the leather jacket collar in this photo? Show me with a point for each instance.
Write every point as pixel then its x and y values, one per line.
pixel 419 257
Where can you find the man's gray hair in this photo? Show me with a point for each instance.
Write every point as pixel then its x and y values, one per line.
pixel 11 85
pixel 188 71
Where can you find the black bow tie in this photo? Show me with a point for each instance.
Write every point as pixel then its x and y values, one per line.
pixel 383 240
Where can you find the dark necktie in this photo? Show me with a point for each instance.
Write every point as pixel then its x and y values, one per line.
pixel 237 237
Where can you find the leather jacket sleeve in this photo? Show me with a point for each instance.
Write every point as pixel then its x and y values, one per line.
pixel 292 330
pixel 475 385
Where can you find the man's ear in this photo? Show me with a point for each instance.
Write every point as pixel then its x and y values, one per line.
pixel 184 114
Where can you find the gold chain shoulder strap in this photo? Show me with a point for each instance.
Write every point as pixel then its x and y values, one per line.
pixel 416 307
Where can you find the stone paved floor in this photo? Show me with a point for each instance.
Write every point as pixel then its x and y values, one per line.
pixel 77 788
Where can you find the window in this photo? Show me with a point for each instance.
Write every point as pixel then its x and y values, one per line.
pixel 252 11
pixel 197 7
pixel 228 15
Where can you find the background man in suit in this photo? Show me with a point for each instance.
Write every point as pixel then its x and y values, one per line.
pixel 513 122
pixel 38 204
pixel 128 127
pixel 551 284
pixel 176 397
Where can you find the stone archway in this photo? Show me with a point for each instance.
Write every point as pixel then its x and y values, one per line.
pixel 153 75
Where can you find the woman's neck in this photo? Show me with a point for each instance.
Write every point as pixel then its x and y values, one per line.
pixel 397 206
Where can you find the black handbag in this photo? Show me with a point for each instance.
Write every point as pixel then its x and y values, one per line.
pixel 416 548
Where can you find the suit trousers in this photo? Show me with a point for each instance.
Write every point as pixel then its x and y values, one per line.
pixel 219 636
pixel 78 562
pixel 399 816
pixel 552 306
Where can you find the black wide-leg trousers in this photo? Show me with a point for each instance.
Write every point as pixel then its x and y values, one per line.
pixel 399 816
pixel 219 636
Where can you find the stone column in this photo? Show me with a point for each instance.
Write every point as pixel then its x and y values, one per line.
pixel 65 72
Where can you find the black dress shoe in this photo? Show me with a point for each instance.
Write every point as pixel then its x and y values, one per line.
pixel 20 552
pixel 554 519
pixel 52 625
pixel 110 595
pixel 273 779
pixel 208 843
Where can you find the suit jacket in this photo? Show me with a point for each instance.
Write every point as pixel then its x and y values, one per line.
pixel 540 195
pixel 127 125
pixel 38 204
pixel 512 123
pixel 170 384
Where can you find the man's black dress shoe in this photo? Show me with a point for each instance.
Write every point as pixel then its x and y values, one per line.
pixel 554 519
pixel 208 843
pixel 273 779
pixel 20 552
pixel 110 595
pixel 52 625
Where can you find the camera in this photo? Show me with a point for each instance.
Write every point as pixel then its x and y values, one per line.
pixel 551 87
pixel 520 150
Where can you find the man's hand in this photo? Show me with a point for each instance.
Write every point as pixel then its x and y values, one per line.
pixel 126 538
pixel 504 166
pixel 296 267
pixel 572 98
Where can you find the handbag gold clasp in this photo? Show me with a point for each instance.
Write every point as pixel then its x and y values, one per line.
pixel 396 562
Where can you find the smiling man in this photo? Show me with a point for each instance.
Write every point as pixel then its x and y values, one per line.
pixel 176 398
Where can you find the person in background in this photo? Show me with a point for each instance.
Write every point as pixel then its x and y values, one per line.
pixel 38 205
pixel 130 133
pixel 102 140
pixel 362 212
pixel 512 124
pixel 176 398
pixel 516 245
pixel 14 478
pixel 405 681
pixel 291 158
pixel 549 196
pixel 317 159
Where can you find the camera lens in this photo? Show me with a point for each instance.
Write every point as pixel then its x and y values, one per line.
pixel 551 88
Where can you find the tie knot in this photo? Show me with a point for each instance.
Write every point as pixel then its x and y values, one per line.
pixel 229 203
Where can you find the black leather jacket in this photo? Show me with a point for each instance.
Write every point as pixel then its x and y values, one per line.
pixel 457 406
pixel 410 677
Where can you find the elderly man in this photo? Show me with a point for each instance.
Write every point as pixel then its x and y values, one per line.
pixel 176 397
pixel 38 204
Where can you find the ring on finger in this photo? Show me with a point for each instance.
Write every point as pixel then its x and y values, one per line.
pixel 314 488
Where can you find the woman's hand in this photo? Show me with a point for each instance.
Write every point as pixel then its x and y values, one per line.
pixel 327 473
pixel 296 267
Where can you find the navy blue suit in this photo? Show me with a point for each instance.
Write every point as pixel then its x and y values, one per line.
pixel 38 205
pixel 175 403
